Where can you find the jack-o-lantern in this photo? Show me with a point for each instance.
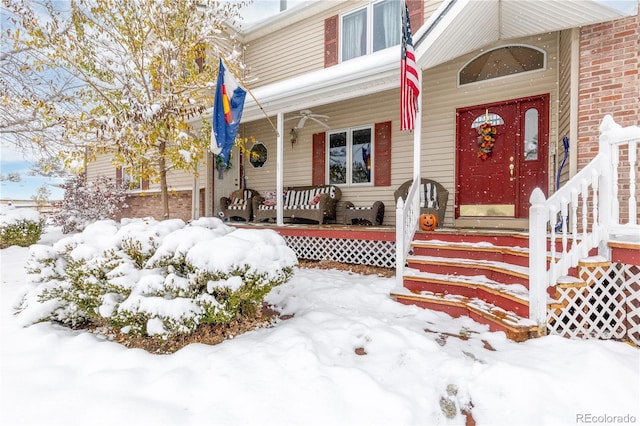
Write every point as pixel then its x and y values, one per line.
pixel 428 222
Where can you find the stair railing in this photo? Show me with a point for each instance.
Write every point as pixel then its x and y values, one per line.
pixel 407 212
pixel 588 208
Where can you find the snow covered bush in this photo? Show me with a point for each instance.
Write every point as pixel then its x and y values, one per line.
pixel 146 277
pixel 86 202
pixel 19 227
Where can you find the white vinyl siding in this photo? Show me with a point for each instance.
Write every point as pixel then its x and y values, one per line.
pixel 101 167
pixel 442 97
pixel 297 48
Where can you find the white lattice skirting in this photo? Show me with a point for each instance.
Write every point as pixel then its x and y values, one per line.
pixel 364 252
pixel 605 306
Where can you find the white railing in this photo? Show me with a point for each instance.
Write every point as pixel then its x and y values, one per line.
pixel 584 214
pixel 407 212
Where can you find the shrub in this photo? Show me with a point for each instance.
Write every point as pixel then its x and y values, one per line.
pixel 156 278
pixel 86 202
pixel 20 227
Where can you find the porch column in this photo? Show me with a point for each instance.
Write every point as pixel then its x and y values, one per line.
pixel 280 169
pixel 417 133
pixel 195 199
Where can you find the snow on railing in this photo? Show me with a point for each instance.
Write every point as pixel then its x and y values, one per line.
pixel 407 212
pixel 588 209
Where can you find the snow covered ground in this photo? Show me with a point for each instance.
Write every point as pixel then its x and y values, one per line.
pixel 305 370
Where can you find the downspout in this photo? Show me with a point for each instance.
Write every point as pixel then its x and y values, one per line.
pixel 574 93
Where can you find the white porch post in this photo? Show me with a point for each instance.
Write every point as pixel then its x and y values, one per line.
pixel 195 199
pixel 417 133
pixel 538 218
pixel 280 170
pixel 405 231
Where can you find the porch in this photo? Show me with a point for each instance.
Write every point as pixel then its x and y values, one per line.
pixel 574 271
pixel 483 273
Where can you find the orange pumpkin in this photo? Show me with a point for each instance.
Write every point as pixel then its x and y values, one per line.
pixel 428 222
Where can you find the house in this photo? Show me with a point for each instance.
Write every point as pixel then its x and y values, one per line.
pixel 325 105
pixel 570 64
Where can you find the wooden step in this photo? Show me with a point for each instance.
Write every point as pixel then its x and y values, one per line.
pixel 517 240
pixel 496 271
pixel 514 326
pixel 504 238
pixel 625 252
pixel 479 251
pixel 510 297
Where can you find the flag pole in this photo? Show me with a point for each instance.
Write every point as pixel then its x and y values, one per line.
pixel 254 99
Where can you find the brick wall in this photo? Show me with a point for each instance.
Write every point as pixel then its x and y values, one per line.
pixel 609 84
pixel 609 80
pixel 150 205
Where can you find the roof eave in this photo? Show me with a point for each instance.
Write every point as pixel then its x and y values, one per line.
pixel 357 77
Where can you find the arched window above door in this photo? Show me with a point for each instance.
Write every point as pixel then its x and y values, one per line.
pixel 501 62
pixel 488 117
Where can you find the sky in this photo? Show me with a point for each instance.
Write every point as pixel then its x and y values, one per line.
pixel 29 185
pixel 348 355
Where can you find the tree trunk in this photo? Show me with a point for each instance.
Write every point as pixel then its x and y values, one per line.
pixel 164 193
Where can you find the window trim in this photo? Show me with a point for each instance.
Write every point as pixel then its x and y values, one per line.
pixel 349 154
pixel 544 64
pixel 369 36
pixel 259 162
pixel 128 179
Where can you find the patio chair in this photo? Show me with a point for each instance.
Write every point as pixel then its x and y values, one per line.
pixel 238 205
pixel 357 215
pixel 433 197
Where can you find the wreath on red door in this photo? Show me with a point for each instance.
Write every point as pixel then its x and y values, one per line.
pixel 486 140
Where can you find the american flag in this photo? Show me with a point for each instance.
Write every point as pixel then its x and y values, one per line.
pixel 409 81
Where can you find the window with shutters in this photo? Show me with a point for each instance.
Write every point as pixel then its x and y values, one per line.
pixel 372 27
pixel 370 160
pixel 369 29
pixel 350 156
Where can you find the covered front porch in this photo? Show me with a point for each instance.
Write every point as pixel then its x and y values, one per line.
pixel 362 244
pixel 484 274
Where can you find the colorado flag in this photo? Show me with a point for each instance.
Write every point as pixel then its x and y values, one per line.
pixel 227 110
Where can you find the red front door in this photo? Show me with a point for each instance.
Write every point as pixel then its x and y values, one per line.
pixel 499 184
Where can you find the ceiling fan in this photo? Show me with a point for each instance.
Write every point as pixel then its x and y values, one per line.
pixel 305 115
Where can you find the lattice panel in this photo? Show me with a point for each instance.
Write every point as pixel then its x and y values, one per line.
pixel 607 306
pixel 360 252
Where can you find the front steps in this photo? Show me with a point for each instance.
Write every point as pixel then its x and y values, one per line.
pixel 483 275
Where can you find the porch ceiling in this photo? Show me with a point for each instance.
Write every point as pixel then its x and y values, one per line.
pixel 456 28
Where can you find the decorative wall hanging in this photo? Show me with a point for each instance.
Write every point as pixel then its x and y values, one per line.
pixel 486 138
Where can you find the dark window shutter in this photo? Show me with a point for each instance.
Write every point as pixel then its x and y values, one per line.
pixel 416 14
pixel 331 41
pixel 318 161
pixel 382 157
pixel 145 183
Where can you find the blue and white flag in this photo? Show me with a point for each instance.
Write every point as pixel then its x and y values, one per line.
pixel 227 110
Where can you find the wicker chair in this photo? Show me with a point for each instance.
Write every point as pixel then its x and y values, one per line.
pixel 356 215
pixel 238 205
pixel 434 200
pixel 302 203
